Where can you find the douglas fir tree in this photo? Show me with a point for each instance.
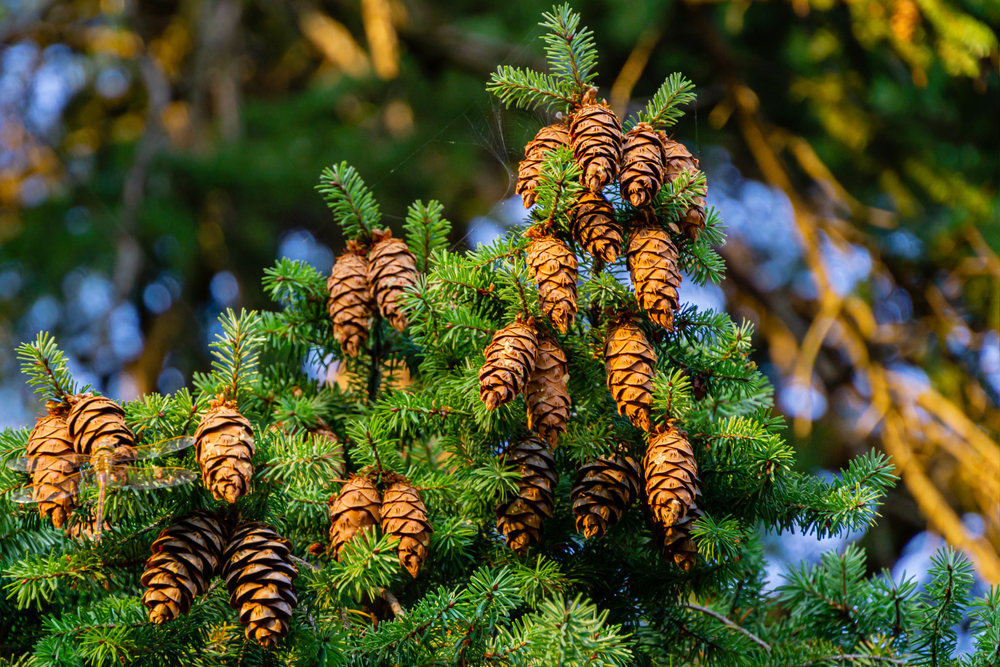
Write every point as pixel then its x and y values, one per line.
pixel 531 454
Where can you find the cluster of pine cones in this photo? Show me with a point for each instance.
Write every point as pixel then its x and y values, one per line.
pixel 253 560
pixel 362 278
pixel 399 511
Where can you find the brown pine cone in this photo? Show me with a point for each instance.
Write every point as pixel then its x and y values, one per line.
pixel 677 542
pixel 51 472
pixel 652 262
pixel 595 227
pixel 224 447
pixel 356 507
pixel 529 170
pixel 186 555
pixel 554 268
pixel 643 161
pixel 520 517
pixel 350 303
pixel 597 144
pixel 391 269
pixel 678 161
pixel 629 360
pixel 510 359
pixel 259 574
pixel 547 394
pixel 404 515
pixel 98 419
pixel 603 491
pixel 671 474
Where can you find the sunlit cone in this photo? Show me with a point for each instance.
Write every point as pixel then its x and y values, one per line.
pixel 529 170
pixel 519 518
pixel 597 139
pixel 48 445
pixel 510 359
pixel 554 268
pixel 595 227
pixel 678 161
pixel 547 393
pixel 652 263
pixel 224 447
pixel 629 361
pixel 677 542
pixel 604 490
pixel 186 555
pixel 392 268
pixel 643 161
pixel 356 507
pixel 671 475
pixel 404 516
pixel 94 419
pixel 350 303
pixel 259 575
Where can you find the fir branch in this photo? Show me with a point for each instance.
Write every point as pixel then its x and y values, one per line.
pixel 730 624
pixel 558 189
pixel 427 231
pixel 45 365
pixel 527 89
pixel 353 204
pixel 570 48
pixel 663 110
pixel 236 352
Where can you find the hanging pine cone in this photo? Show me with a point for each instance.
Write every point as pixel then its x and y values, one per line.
pixel 51 472
pixel 595 227
pixel 671 474
pixel 356 507
pixel 604 489
pixel 224 446
pixel 547 394
pixel 629 360
pixel 510 359
pixel 186 555
pixel 94 419
pixel 643 161
pixel 350 303
pixel 676 540
pixel 554 268
pixel 391 269
pixel 678 161
pixel 259 574
pixel 652 262
pixel 405 516
pixel 597 143
pixel 520 518
pixel 529 170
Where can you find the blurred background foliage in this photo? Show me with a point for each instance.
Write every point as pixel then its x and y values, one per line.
pixel 155 156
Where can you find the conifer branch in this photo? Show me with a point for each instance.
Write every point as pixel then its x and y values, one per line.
pixel 235 367
pixel 427 231
pixel 569 48
pixel 526 89
pixel 45 365
pixel 558 189
pixel 353 204
pixel 730 624
pixel 663 110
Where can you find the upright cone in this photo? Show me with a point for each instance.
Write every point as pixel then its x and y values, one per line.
pixel 595 227
pixel 260 579
pixel 603 491
pixel 679 160
pixel 186 555
pixel 520 518
pixel 547 394
pixel 350 303
pixel 356 507
pixel 391 269
pixel 629 360
pixel 555 271
pixel 671 474
pixel 596 134
pixel 94 419
pixel 52 466
pixel 510 359
pixel 224 447
pixel 404 516
pixel 652 262
pixel 643 161
pixel 529 170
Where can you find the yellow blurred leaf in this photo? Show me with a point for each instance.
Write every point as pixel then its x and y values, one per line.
pixel 335 42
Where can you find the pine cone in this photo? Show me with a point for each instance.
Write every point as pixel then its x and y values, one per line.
pixel 629 360
pixel 224 446
pixel 357 507
pixel 405 516
pixel 555 271
pixel 652 261
pixel 547 395
pixel 671 474
pixel 595 227
pixel 520 518
pixel 643 161
pixel 529 170
pixel 678 161
pixel 186 555
pixel 604 489
pixel 350 303
pixel 676 540
pixel 391 269
pixel 48 445
pixel 259 577
pixel 96 418
pixel 597 144
pixel 510 359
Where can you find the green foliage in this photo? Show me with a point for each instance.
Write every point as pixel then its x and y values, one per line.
pixel 569 48
pixel 426 231
pixel 45 365
pixel 558 189
pixel 235 367
pixel 353 205
pixel 527 89
pixel 663 110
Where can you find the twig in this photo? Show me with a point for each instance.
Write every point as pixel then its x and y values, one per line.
pixel 397 609
pixel 854 656
pixel 730 624
pixel 311 566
